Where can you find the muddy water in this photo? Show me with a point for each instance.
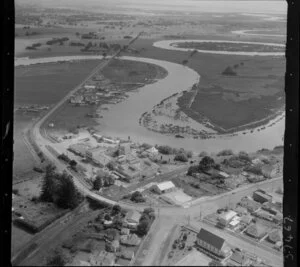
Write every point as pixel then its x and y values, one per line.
pixel 122 120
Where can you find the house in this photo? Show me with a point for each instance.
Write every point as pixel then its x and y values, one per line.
pixel 270 207
pixel 249 204
pixel 224 174
pixel 127 254
pixel 97 136
pixel 257 231
pixel 131 240
pixel 261 196
pixel 110 141
pixel 235 222
pixel 124 149
pixel 79 149
pixel 264 215
pixel 278 218
pixel 275 236
pixel 132 219
pixel 256 161
pixel 89 87
pixel 246 219
pixel 268 171
pixel 125 231
pixel 212 243
pixel 112 246
pixel 98 156
pixel 241 210
pixel 239 259
pixel 102 258
pixel 164 187
pixel 111 235
pixel 226 217
pixel 78 99
pixel 152 151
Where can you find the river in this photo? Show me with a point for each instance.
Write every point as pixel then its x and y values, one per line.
pixel 122 119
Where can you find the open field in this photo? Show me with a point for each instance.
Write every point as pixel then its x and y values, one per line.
pixel 48 83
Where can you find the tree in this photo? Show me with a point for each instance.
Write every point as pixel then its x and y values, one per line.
pixel 181 157
pixel 137 197
pixel 203 154
pixel 166 150
pixel 143 227
pixel 192 169
pixel 116 209
pixel 56 259
pixel 48 184
pixel 67 194
pixel 229 71
pixel 97 183
pixel 206 163
pixel 225 152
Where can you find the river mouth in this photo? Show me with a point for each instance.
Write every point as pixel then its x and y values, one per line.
pixel 223 47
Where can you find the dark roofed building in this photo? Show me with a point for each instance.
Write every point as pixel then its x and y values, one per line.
pixel 213 243
pixel 261 197
pixel 238 259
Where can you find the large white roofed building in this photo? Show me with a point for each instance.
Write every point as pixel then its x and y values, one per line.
pixel 164 187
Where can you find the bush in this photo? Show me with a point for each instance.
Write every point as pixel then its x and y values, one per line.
pixel 206 163
pixel 166 150
pixel 254 169
pixel 203 154
pixel 137 197
pixel 181 157
pixel 192 169
pixel 225 152
pixel 56 259
pixel 229 71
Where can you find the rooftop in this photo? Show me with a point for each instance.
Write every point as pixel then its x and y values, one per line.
pixel 133 215
pixel 211 238
pixel 165 185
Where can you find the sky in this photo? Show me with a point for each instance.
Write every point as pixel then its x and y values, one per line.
pixel 258 6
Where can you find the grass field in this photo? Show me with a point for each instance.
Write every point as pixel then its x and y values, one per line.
pixel 48 83
pixel 228 101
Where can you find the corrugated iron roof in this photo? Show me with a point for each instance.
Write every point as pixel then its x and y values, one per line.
pixel 211 238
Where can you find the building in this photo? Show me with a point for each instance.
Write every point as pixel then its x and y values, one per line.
pixel 270 207
pixel 268 171
pixel 125 231
pixel 241 211
pixel 102 258
pixel 152 151
pixel 234 223
pixel 124 149
pixel 261 196
pixel 97 136
pixel 98 156
pixel 256 161
pixel 224 174
pixel 89 87
pixel 246 219
pixel 249 204
pixel 264 215
pixel 78 99
pixel 112 246
pixel 127 254
pixel 79 149
pixel 275 236
pixel 256 231
pixel 212 243
pixel 164 187
pixel 131 240
pixel 132 218
pixel 239 259
pixel 226 217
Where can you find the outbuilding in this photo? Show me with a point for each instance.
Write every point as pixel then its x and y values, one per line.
pixel 164 187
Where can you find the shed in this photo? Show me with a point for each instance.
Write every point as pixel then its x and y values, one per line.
pixel 164 187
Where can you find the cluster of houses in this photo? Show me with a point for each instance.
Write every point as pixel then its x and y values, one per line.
pixel 243 217
pixel 127 165
pixel 96 90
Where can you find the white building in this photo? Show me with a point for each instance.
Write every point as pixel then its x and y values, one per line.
pixel 226 217
pixel 164 187
pixel 89 86
pixel 224 174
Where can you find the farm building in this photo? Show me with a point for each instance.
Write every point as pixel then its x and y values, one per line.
pixel 226 217
pixel 124 149
pixel 246 219
pixel 261 196
pixel 164 187
pixel 132 218
pixel 212 243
